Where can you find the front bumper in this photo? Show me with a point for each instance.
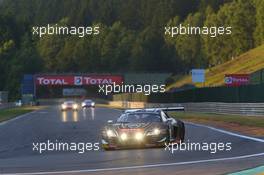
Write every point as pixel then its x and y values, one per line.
pixel 147 141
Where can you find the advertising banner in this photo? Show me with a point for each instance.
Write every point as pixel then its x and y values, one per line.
pixel 236 79
pixel 198 75
pixel 80 80
pixel 27 84
pixel 73 92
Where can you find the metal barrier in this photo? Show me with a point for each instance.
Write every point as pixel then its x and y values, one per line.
pixel 246 109
pixel 7 105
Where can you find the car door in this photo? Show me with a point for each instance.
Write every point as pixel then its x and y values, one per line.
pixel 172 125
pixel 170 122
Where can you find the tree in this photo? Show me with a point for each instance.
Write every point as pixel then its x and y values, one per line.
pixel 259 30
pixel 240 15
pixel 25 61
pixel 188 46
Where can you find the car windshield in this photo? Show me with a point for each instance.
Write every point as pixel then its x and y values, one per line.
pixel 139 118
pixel 88 101
pixel 69 102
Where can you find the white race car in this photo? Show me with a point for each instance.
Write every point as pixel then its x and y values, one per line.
pixel 69 105
pixel 88 104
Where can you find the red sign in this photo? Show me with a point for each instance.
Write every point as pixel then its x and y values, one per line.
pixel 72 80
pixel 236 79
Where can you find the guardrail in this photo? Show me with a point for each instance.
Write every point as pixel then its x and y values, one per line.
pixel 7 105
pixel 246 109
pixel 58 101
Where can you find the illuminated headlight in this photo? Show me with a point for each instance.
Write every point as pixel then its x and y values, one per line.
pixel 75 106
pixel 139 136
pixel 154 132
pixel 63 106
pixel 110 133
pixel 123 136
pixel 83 104
pixel 92 103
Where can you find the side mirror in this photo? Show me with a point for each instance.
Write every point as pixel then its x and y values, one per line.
pixel 169 119
pixel 110 121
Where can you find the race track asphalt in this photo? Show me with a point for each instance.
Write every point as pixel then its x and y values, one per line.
pixel 17 155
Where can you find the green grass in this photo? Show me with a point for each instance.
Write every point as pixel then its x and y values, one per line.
pixel 246 63
pixel 6 114
pixel 241 120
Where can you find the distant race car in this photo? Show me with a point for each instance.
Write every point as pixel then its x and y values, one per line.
pixel 69 105
pixel 142 128
pixel 88 103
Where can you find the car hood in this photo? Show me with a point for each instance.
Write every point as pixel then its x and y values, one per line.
pixel 119 126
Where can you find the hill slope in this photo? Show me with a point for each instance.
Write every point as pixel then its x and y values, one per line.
pixel 246 63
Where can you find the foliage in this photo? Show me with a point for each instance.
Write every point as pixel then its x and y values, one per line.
pixel 131 36
pixel 247 63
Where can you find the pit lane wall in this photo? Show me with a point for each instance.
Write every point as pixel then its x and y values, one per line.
pixel 246 109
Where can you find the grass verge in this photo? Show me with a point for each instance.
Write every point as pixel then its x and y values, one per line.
pixel 245 124
pixel 246 63
pixel 7 114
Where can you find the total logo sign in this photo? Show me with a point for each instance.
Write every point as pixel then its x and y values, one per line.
pixel 45 81
pixel 236 79
pixel 228 80
pixel 55 80
pixel 78 80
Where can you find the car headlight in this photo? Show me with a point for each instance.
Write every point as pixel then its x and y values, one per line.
pixel 123 136
pixel 154 132
pixel 92 103
pixel 63 106
pixel 139 136
pixel 75 106
pixel 110 133
pixel 83 104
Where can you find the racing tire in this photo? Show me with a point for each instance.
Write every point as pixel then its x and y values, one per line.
pixel 182 132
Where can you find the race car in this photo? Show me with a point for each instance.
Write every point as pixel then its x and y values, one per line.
pixel 142 128
pixel 69 105
pixel 88 103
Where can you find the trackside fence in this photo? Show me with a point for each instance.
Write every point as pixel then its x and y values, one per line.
pixel 244 109
pixel 243 94
pixel 7 105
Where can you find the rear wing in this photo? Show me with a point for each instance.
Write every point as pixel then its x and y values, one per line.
pixel 165 109
pixel 179 108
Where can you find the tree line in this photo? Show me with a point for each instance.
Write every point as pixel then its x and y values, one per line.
pixel 131 36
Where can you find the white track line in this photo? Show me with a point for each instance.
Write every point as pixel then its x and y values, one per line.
pixel 141 166
pixel 228 132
